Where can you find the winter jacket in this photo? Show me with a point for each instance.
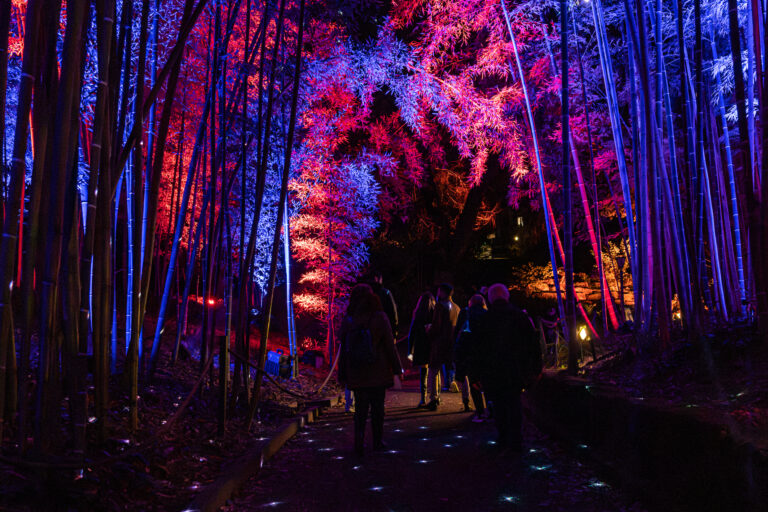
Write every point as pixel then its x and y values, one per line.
pixel 418 341
pixel 388 303
pixel 441 333
pixel 386 364
pixel 504 333
pixel 466 349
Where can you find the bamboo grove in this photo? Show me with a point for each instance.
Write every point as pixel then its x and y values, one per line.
pixel 158 153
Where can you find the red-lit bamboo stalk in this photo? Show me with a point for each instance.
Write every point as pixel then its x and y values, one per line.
pixel 607 300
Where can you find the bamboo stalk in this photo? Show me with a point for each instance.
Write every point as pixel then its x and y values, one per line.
pixel 280 210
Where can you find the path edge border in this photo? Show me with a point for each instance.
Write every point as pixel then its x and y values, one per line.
pixel 217 493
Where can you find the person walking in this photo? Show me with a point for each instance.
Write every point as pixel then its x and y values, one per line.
pixel 441 338
pixel 387 300
pixel 466 354
pixel 418 342
pixel 368 362
pixel 511 355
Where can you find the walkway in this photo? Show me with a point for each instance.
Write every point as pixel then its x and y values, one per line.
pixel 436 461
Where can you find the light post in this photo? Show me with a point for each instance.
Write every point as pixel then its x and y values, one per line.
pixel 620 260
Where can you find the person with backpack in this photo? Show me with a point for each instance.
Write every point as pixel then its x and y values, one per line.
pixel 418 342
pixel 510 361
pixel 441 338
pixel 465 354
pixel 368 362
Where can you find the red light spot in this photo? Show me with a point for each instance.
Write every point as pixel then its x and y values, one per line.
pixel 211 302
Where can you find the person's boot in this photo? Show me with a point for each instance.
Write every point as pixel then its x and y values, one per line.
pixel 378 433
pixel 423 401
pixel 467 408
pixel 432 405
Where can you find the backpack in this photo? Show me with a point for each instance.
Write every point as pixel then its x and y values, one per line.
pixel 529 355
pixel 359 346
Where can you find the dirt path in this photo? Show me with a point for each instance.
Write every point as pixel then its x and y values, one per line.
pixel 436 461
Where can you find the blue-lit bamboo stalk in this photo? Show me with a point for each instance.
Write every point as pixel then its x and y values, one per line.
pixel 608 308
pixel 281 211
pixel 618 139
pixel 714 250
pixel 751 88
pixel 689 161
pixel 700 158
pixel 289 289
pixel 672 190
pixel 539 169
pixel 191 257
pixel 180 221
pixel 731 178
pixel 661 177
pixel 650 243
pixel 720 203
pixel 605 290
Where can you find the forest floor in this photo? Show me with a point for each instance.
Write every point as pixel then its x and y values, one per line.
pixel 161 466
pixel 724 376
pixel 434 461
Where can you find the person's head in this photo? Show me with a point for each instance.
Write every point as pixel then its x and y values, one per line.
pixel 484 291
pixel 368 305
pixel 356 297
pixel 444 291
pixel 425 304
pixel 498 292
pixel 477 300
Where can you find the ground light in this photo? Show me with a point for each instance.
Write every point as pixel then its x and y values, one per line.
pixel 583 333
pixel 510 499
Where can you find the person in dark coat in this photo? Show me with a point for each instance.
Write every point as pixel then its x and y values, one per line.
pixel 441 338
pixel 370 380
pixel 466 353
pixel 502 330
pixel 418 342
pixel 387 300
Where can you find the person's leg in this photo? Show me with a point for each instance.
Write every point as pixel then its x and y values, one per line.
pixel 348 400
pixel 464 389
pixel 377 416
pixel 453 380
pixel 515 422
pixel 502 417
pixel 433 386
pixel 477 398
pixel 423 385
pixel 363 401
pixel 439 386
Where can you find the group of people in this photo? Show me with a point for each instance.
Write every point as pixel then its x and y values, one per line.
pixel 489 349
